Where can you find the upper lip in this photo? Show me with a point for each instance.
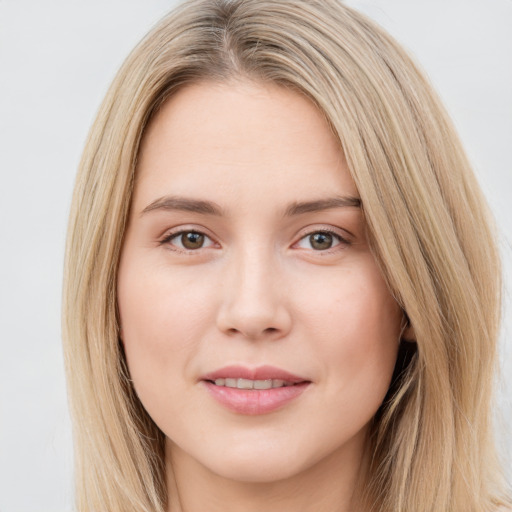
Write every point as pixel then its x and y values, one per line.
pixel 259 373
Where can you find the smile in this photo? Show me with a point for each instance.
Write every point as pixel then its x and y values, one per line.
pixel 252 384
pixel 254 391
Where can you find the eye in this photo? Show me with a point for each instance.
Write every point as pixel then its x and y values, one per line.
pixel 320 241
pixel 188 240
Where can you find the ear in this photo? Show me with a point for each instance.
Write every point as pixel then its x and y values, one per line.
pixel 408 334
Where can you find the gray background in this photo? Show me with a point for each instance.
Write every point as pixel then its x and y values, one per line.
pixel 57 58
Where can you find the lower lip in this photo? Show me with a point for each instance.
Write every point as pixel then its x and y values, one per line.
pixel 255 401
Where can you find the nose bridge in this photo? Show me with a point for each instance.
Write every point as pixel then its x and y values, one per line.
pixel 252 294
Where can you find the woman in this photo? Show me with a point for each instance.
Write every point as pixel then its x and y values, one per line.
pixel 282 290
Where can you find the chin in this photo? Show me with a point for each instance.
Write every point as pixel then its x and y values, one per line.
pixel 263 461
pixel 257 469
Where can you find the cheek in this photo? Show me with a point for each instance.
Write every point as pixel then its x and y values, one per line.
pixel 357 328
pixel 371 324
pixel 163 315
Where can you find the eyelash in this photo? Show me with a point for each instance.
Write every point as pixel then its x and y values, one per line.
pixel 341 241
pixel 177 234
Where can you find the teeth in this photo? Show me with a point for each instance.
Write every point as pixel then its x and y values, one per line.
pixel 245 384
pixel 252 384
pixel 263 384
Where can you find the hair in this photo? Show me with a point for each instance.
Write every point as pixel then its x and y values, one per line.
pixel 428 225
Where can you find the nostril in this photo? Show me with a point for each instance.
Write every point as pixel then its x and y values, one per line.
pixel 267 332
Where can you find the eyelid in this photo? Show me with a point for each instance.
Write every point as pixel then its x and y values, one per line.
pixel 344 240
pixel 169 235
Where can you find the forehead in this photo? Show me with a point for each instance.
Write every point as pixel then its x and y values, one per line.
pixel 223 137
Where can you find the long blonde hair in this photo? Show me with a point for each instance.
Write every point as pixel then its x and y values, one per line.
pixel 427 221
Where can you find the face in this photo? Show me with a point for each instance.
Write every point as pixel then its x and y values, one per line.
pixel 259 333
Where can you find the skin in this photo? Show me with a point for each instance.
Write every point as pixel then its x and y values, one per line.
pixel 258 291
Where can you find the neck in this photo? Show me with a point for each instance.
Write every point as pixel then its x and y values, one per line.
pixel 333 484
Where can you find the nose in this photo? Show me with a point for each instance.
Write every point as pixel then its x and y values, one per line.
pixel 254 300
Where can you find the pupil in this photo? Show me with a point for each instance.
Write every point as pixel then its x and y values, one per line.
pixel 192 240
pixel 321 241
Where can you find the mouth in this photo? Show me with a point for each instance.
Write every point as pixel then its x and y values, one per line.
pixel 252 384
pixel 254 391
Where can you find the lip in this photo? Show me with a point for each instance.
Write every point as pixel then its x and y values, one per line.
pixel 254 401
pixel 259 373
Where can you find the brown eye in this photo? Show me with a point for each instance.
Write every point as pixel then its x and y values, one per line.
pixel 321 241
pixel 188 240
pixel 192 240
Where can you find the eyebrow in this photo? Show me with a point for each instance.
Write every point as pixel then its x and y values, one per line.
pixel 171 203
pixel 297 208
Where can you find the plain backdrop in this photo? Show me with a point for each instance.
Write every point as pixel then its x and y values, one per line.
pixel 57 58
